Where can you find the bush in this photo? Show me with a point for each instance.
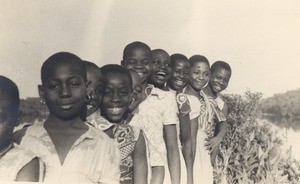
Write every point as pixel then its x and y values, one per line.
pixel 252 152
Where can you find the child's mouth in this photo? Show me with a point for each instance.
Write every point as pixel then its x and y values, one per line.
pixel 161 75
pixel 115 110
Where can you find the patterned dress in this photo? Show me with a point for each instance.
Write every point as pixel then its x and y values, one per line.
pixel 208 114
pixel 126 136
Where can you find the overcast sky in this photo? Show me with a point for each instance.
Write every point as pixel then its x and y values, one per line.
pixel 259 39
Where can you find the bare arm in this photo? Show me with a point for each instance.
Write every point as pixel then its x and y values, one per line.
pixel 140 160
pixel 194 131
pixel 30 172
pixel 170 135
pixel 186 141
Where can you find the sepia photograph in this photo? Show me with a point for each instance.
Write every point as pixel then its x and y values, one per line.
pixel 150 92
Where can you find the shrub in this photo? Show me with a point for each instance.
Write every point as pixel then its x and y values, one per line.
pixel 252 152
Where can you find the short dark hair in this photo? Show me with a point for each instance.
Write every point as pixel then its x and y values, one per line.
pixel 60 58
pixel 90 66
pixel 116 69
pixel 220 64
pixel 135 45
pixel 176 57
pixel 10 90
pixel 198 58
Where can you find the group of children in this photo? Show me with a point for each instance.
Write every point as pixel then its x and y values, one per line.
pixel 153 119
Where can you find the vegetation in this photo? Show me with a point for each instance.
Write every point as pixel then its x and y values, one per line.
pixel 252 152
pixel 282 109
pixel 32 109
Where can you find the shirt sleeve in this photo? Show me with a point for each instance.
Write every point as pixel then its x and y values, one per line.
pixel 170 109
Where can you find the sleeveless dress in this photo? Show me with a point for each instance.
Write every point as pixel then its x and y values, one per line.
pixel 209 113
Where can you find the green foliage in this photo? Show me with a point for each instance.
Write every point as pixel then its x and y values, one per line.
pixel 32 109
pixel 282 109
pixel 252 151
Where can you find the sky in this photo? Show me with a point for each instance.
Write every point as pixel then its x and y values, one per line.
pixel 259 39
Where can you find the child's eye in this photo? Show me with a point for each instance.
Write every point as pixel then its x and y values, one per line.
pixel 131 61
pixel 206 74
pixel 145 61
pixel 107 92
pixel 75 84
pixel 124 92
pixel 53 86
pixel 168 64
pixel 155 62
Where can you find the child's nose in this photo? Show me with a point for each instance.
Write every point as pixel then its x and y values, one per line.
pixel 65 91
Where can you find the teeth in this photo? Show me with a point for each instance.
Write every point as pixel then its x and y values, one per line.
pixel 161 73
pixel 115 110
pixel 66 106
pixel 179 82
pixel 141 74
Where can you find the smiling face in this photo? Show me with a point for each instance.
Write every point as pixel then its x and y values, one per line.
pixel 95 79
pixel 139 60
pixel 117 96
pixel 200 74
pixel 219 80
pixel 179 75
pixel 64 90
pixel 161 68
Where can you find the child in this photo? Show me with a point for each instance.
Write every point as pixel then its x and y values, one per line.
pixel 95 85
pixel 16 164
pixel 117 97
pixel 179 76
pixel 137 91
pixel 203 126
pixel 221 73
pixel 160 129
pixel 160 68
pixel 71 150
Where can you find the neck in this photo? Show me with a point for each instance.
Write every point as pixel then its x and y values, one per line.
pixel 61 123
pixel 207 90
pixel 191 91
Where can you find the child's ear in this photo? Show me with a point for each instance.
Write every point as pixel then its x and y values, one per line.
pixel 122 63
pixel 41 92
pixel 88 87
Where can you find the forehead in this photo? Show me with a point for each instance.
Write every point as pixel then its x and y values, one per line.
pixel 116 80
pixel 181 63
pixel 200 66
pixel 160 54
pixel 222 71
pixel 64 70
pixel 139 52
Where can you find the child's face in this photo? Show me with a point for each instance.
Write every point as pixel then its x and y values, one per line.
pixel 199 76
pixel 179 75
pixel 117 96
pixel 161 68
pixel 64 91
pixel 219 80
pixel 95 89
pixel 140 61
pixel 6 124
pixel 137 90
